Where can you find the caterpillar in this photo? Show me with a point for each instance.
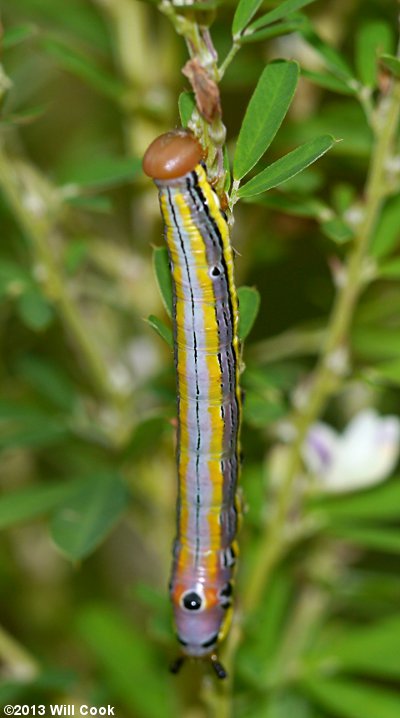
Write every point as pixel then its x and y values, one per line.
pixel 206 350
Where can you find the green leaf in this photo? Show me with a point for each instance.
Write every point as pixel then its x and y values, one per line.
pixel 123 651
pixel 29 503
pixel 260 411
pixel 82 522
pixel 373 650
pixel 370 594
pixel 51 432
pixel 265 629
pixel 227 168
pixel 331 57
pixel 25 116
pixel 12 690
pixel 387 233
pixel 14 280
pixel 285 704
pixel 390 270
pixel 293 703
pixel 17 34
pixel 287 166
pixel 375 343
pixel 296 206
pixel 243 14
pixel 353 699
pixel 161 328
pixel 246 9
pixel 349 124
pixel 337 230
pixel 328 82
pixel 384 373
pixel 79 19
pixel 34 310
pixel 145 436
pixel 264 115
pixel 99 204
pixel 281 11
pixel 281 28
pixel 42 431
pixel 373 38
pixel 21 410
pixel 380 502
pixel 378 539
pixel 163 277
pixel 280 376
pixel 387 372
pixel 249 305
pixel 304 183
pixel 76 252
pixel 149 596
pixel 252 481
pixel 49 380
pixel 343 196
pixel 391 63
pixel 84 68
pixel 101 172
pixel 187 105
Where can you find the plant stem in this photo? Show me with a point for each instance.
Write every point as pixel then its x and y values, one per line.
pixel 228 59
pixel 37 227
pixel 327 377
pixel 212 133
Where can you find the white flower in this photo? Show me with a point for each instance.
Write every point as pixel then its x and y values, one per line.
pixel 363 455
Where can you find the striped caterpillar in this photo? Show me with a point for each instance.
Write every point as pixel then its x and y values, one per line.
pixel 206 348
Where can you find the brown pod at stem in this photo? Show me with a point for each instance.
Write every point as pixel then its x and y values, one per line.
pixel 205 89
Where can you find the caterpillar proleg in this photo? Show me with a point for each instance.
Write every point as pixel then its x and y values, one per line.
pixel 206 348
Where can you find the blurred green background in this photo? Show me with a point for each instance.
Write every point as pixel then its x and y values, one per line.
pixel 87 404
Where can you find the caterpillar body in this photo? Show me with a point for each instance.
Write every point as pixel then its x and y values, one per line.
pixel 206 349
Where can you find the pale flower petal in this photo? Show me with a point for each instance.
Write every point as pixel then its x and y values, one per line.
pixel 320 448
pixel 365 454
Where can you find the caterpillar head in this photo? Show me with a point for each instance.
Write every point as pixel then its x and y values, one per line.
pixel 202 615
pixel 172 155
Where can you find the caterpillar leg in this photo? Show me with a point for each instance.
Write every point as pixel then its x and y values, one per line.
pixel 216 664
pixel 218 667
pixel 176 666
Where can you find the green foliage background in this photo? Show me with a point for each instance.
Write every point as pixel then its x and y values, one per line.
pixel 87 404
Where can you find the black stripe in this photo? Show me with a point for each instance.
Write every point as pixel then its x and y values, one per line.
pixel 231 356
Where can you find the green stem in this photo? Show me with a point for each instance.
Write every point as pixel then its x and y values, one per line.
pixel 228 59
pixel 36 226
